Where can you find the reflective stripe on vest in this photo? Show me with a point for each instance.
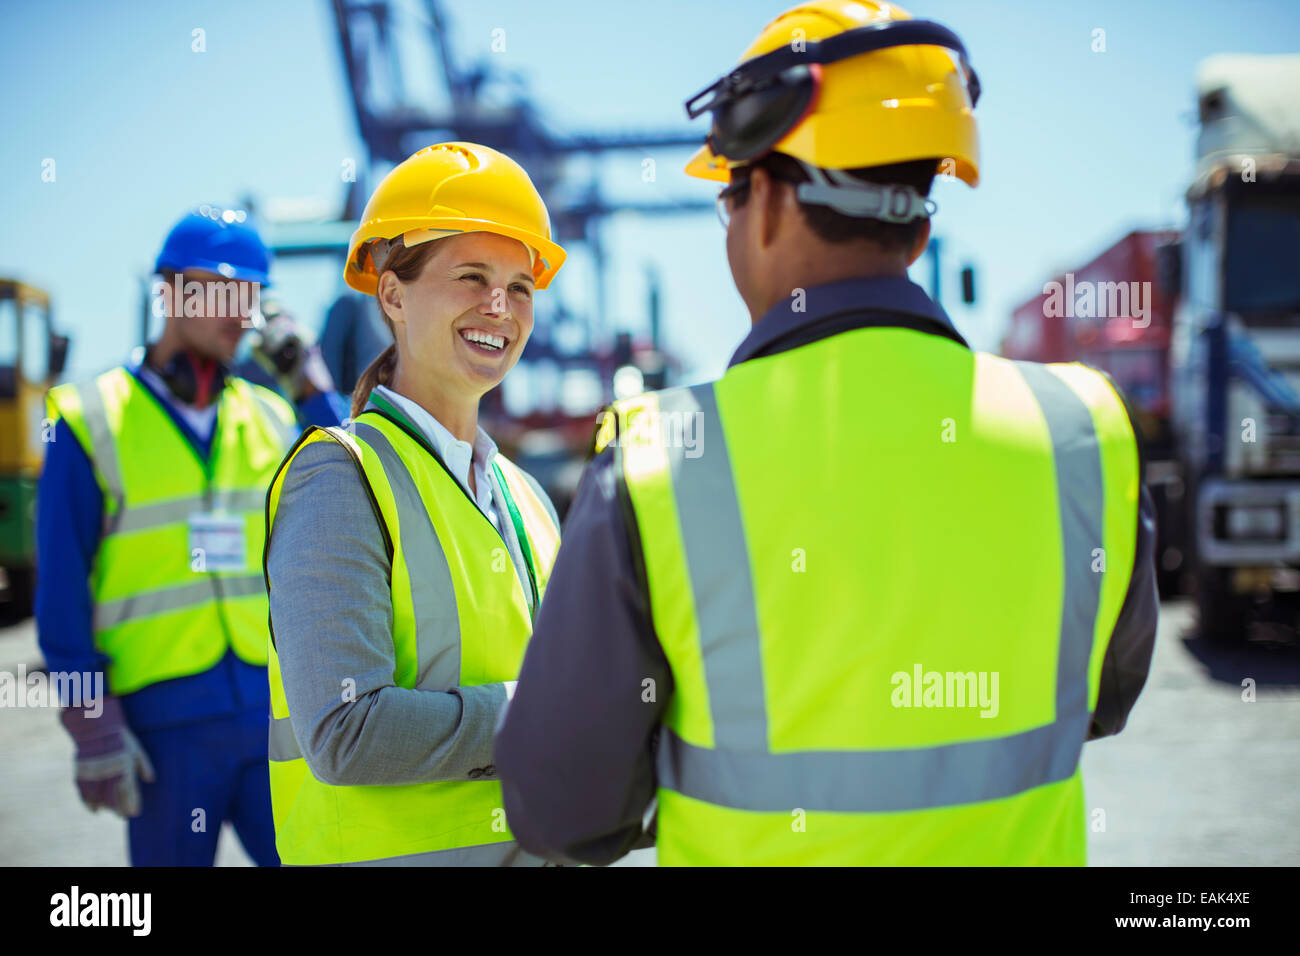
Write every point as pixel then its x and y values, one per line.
pixel 740 769
pixel 508 853
pixel 460 618
pixel 286 429
pixel 103 450
pixel 158 613
pixel 110 614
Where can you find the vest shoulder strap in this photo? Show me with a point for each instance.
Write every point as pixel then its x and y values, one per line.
pixel 1097 463
pixel 311 435
pixel 1112 414
pixel 344 438
pixel 270 400
pixel 278 413
pixel 664 420
pixel 92 409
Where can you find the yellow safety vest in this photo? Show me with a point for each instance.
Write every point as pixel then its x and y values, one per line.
pixel 445 555
pixel 884 570
pixel 164 606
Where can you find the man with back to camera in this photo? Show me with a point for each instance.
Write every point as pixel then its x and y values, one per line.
pixel 872 610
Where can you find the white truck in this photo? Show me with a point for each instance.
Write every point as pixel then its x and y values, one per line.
pixel 1235 347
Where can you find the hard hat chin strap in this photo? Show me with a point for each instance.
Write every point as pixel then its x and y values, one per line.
pixel 894 203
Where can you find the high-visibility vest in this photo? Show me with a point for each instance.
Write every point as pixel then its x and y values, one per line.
pixel 161 610
pixel 884 570
pixel 460 618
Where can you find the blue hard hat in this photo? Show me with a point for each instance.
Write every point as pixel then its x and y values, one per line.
pixel 217 240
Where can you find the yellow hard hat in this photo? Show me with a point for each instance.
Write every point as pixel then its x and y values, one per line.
pixel 841 84
pixel 449 188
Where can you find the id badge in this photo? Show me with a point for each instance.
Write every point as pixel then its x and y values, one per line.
pixel 217 542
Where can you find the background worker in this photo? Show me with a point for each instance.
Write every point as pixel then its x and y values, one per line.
pixel 736 629
pixel 150 512
pixel 405 557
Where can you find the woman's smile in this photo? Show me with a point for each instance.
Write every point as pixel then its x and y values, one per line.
pixel 484 341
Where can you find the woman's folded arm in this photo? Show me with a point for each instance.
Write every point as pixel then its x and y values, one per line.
pixel 331 609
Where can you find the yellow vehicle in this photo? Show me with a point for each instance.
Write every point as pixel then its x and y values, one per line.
pixel 32 357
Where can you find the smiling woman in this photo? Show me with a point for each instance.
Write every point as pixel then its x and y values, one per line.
pixel 459 307
pixel 406 558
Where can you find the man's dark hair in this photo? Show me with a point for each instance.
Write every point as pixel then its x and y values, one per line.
pixel 834 226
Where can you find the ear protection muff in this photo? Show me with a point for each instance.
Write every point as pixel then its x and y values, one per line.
pixel 194 379
pixel 761 113
pixel 756 105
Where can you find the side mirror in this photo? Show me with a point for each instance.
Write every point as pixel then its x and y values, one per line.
pixel 968 285
pixel 58 354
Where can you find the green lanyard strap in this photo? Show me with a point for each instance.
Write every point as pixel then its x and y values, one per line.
pixel 522 535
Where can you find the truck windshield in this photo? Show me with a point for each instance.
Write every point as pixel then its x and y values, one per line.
pixel 1263 258
pixel 8 332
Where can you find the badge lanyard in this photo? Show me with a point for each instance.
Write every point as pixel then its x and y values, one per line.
pixel 518 522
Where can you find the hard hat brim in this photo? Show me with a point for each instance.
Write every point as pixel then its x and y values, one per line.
pixel 704 165
pixel 223 269
pixel 550 256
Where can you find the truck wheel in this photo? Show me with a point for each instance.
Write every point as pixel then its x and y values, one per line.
pixel 22 582
pixel 1169 580
pixel 1224 615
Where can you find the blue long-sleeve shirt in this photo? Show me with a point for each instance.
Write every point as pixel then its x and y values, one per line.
pixel 69 519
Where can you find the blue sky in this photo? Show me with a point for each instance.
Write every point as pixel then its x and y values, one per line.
pixel 1077 147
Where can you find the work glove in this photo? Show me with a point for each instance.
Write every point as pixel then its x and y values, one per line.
pixel 281 349
pixel 110 761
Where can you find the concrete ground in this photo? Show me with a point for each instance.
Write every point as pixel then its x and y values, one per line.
pixel 42 819
pixel 1199 776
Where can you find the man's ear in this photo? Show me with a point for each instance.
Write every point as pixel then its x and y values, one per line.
pixel 922 240
pixel 770 204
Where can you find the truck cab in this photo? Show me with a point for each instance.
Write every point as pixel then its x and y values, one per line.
pixel 32 357
pixel 1235 349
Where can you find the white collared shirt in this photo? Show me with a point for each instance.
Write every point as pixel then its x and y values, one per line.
pixel 200 420
pixel 459 456
pixel 456 454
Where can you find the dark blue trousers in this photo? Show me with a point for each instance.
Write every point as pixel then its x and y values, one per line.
pixel 206 772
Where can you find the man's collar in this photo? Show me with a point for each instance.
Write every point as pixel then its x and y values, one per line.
pixel 806 306
pixel 150 378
